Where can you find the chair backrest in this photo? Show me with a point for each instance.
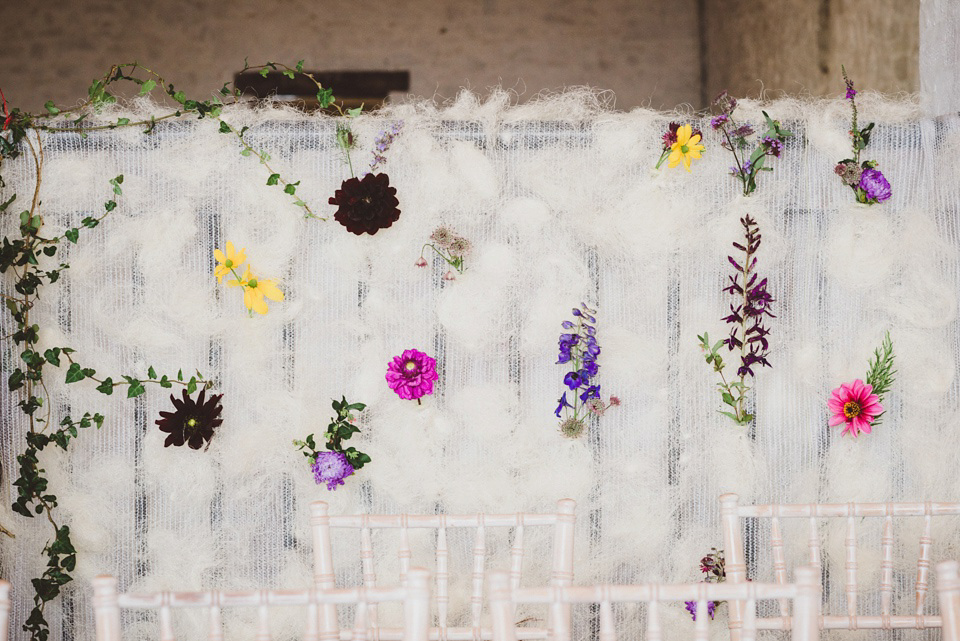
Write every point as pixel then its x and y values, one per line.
pixel 732 515
pixel 805 594
pixel 415 596
pixel 4 609
pixel 563 522
pixel 948 592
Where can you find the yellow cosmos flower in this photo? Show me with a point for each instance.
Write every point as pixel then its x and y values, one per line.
pixel 686 148
pixel 225 263
pixel 254 291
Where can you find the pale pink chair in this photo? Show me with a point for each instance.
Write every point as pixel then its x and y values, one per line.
pixel 732 515
pixel 562 522
pixel 415 596
pixel 4 610
pixel 948 591
pixel 805 594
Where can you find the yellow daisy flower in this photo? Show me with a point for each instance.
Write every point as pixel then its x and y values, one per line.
pixel 254 291
pixel 686 148
pixel 225 263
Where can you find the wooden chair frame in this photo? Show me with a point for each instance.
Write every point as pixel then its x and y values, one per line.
pixel 948 593
pixel 805 595
pixel 563 522
pixel 4 610
pixel 732 513
pixel 415 596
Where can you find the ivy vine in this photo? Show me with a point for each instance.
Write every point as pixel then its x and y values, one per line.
pixel 30 256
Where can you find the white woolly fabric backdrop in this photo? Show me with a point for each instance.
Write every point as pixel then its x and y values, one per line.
pixel 561 203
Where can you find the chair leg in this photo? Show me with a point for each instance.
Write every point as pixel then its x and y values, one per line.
pixel 736 567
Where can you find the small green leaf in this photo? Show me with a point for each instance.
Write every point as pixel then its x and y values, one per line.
pixel 147 87
pixel 53 356
pixel 136 389
pixel 288 74
pixel 72 234
pixel 123 121
pixel 151 373
pixel 179 374
pixel 264 72
pixel 74 373
pixel 225 128
pixel 192 385
pixel 106 387
pixel 50 250
pixel 165 382
pixel 90 222
pixel 273 179
pixel 180 97
pixel 51 108
pixel 299 66
pixel 291 188
pixel 110 205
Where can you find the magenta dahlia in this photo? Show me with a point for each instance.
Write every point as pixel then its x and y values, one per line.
pixel 411 375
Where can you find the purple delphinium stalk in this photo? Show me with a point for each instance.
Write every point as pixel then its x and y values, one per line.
pixel 331 468
pixel 579 349
pixel 692 608
pixel 382 144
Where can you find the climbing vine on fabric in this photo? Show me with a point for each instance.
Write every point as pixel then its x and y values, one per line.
pixel 30 261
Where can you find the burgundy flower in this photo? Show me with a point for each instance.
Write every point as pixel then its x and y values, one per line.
pixel 366 204
pixel 670 137
pixel 193 421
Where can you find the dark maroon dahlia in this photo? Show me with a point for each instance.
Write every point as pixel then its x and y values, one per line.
pixel 193 421
pixel 367 204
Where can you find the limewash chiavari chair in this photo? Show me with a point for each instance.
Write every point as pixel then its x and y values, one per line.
pixel 805 594
pixel 948 592
pixel 415 596
pixel 732 513
pixel 562 522
pixel 4 609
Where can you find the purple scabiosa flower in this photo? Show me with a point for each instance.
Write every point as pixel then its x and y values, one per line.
pixel 331 468
pixel 692 608
pixel 875 187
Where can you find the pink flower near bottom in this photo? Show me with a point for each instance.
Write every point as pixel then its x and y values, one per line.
pixel 411 375
pixel 856 405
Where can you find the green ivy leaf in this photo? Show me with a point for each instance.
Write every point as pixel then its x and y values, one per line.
pixel 110 205
pixel 192 385
pixel 75 373
pixel 72 234
pixel 147 87
pixel 151 373
pixel 136 387
pixel 291 188
pixel 53 356
pixel 165 382
pixel 299 66
pixel 106 387
pixel 123 121
pixel 225 128
pixel 51 108
pixel 273 179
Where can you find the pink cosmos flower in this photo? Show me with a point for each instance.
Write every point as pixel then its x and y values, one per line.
pixel 856 405
pixel 411 375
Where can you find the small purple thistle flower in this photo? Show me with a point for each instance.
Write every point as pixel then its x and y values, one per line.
pixel 331 468
pixel 875 187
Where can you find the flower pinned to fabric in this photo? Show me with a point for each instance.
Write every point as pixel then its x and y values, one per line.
pixel 193 421
pixel 692 608
pixel 229 261
pixel 449 246
pixel 412 374
pixel 681 143
pixel 735 139
pixel 855 406
pixel 578 347
pixel 868 183
pixel 331 468
pixel 874 185
pixel 366 205
pixel 255 290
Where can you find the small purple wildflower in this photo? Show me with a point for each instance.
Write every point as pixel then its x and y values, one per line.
pixel 382 144
pixel 773 145
pixel 692 608
pixel 719 120
pixel 875 187
pixel 743 131
pixel 748 316
pixel 331 468
pixel 579 348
